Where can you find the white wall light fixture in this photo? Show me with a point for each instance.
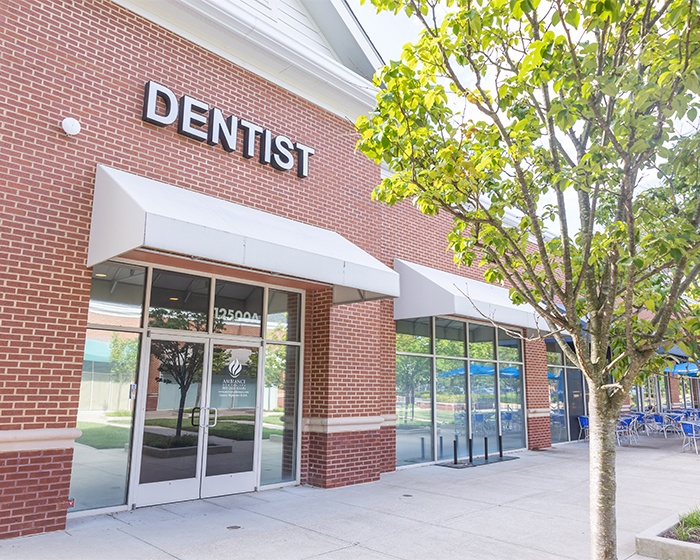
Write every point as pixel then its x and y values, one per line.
pixel 70 126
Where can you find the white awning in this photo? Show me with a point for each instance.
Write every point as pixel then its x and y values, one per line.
pixel 426 292
pixel 132 212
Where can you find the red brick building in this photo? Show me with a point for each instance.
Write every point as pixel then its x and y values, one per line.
pixel 198 295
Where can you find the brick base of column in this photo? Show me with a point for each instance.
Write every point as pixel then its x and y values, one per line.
pixel 539 434
pixel 34 495
pixel 344 458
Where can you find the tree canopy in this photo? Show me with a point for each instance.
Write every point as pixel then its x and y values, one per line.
pixel 517 117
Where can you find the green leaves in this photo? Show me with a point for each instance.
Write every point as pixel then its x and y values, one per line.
pixel 517 115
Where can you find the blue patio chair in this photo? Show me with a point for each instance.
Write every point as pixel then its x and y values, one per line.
pixel 626 429
pixel 691 435
pixel 583 427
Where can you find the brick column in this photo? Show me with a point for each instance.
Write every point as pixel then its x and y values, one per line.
pixel 346 378
pixel 539 434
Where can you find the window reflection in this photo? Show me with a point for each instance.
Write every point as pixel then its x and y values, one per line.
pixel 557 404
pixel 280 414
pixel 414 433
pixel 105 416
pixel 451 408
pixel 238 308
pixel 116 295
pixel 481 342
pixel 450 338
pixel 283 316
pixel 413 335
pixel 508 347
pixel 179 301
pixel 511 406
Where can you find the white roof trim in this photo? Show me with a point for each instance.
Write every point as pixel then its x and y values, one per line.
pixel 426 292
pixel 132 212
pixel 232 31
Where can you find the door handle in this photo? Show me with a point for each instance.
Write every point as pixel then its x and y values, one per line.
pixel 216 417
pixel 195 410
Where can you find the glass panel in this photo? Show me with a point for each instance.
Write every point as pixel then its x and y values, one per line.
pixel 238 309
pixel 414 432
pixel 451 408
pixel 413 335
pixel 511 406
pixel 557 405
pixel 508 347
pixel 576 399
pixel 482 382
pixel 279 414
pixel 283 316
pixel 231 441
pixel 450 338
pixel 179 301
pixel 116 295
pixel 481 342
pixel 555 357
pixel 173 399
pixel 105 415
pixel 635 402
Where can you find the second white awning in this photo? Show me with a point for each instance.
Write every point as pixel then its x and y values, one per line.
pixel 426 292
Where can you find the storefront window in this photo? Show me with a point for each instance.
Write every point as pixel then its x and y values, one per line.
pixel 283 316
pixel 414 432
pixel 179 301
pixel 567 394
pixel 450 339
pixel 485 404
pixel 481 342
pixel 511 406
pixel 557 404
pixel 280 414
pixel 238 309
pixel 116 295
pixel 451 408
pixel 508 347
pixel 414 336
pixel 105 416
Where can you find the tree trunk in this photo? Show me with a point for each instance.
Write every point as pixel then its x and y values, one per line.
pixel 181 411
pixel 603 486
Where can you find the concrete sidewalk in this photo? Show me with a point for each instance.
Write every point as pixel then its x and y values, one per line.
pixel 535 507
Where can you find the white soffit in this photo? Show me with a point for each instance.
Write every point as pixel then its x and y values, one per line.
pixel 234 31
pixel 426 292
pixel 132 212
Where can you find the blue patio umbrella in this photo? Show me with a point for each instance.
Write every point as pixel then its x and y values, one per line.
pixel 690 369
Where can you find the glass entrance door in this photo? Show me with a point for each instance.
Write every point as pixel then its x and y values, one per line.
pixel 198 420
pixel 231 414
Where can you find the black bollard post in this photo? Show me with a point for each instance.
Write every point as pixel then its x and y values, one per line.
pixel 422 448
pixel 441 451
pixel 486 449
pixel 500 446
pixel 471 454
pixel 455 451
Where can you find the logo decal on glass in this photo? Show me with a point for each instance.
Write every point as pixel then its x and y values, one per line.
pixel 234 368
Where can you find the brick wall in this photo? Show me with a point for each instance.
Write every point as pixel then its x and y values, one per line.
pixel 539 433
pixel 90 60
pixel 34 494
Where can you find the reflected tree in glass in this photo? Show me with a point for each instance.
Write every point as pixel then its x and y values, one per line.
pixel 411 374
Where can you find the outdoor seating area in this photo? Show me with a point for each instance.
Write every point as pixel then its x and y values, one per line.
pixel 676 423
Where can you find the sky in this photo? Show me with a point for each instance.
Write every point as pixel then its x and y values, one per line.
pixel 387 32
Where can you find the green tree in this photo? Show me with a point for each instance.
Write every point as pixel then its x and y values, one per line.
pixel 514 115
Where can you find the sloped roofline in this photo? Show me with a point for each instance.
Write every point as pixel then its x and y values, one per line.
pixel 231 30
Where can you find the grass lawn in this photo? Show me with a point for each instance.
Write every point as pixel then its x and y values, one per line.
pixel 227 427
pixel 103 436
